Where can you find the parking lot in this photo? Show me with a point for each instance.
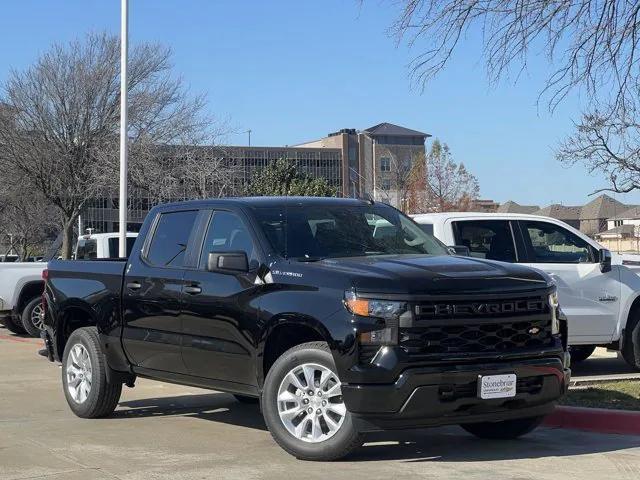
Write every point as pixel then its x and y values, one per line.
pixel 164 431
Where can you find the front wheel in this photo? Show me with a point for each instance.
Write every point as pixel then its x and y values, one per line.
pixel 579 353
pixel 303 406
pixel 13 325
pixel 505 430
pixel 84 376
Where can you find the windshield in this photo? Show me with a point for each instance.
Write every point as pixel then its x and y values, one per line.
pixel 311 233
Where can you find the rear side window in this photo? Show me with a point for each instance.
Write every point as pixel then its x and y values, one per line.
pixel 171 238
pixel 490 239
pixel 550 243
pixel 114 247
pixel 87 249
pixel 426 227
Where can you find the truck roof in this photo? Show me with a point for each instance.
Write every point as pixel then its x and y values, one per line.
pixel 444 215
pixel 273 201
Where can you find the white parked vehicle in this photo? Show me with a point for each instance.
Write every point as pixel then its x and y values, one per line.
pixel 21 283
pixel 101 245
pixel 598 293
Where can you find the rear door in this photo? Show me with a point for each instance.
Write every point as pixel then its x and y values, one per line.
pixel 589 298
pixel 220 310
pixel 152 293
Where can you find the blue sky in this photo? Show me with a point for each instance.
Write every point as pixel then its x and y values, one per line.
pixel 295 70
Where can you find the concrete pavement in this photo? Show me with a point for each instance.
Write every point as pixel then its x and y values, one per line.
pixel 163 431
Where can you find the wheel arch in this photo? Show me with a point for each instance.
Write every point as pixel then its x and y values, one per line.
pixel 284 332
pixel 28 292
pixel 70 319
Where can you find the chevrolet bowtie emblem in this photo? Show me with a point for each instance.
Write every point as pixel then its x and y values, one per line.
pixel 534 330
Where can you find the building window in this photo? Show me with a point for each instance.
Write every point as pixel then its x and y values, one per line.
pixel 385 164
pixel 617 223
pixel 386 184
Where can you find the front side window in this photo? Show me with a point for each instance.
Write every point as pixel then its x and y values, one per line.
pixel 550 243
pixel 227 233
pixel 309 233
pixel 170 240
pixel 490 239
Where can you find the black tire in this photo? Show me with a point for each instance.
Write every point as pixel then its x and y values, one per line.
pixel 346 439
pixel 579 353
pixel 103 396
pixel 505 430
pixel 13 325
pixel 246 399
pixel 27 322
pixel 631 342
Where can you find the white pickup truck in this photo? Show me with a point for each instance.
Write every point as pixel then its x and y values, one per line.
pixel 21 283
pixel 598 293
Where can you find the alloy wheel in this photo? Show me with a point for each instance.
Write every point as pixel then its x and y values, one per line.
pixel 37 317
pixel 310 403
pixel 79 373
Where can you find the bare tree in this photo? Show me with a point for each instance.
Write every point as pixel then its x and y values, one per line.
pixel 590 45
pixel 449 186
pixel 608 144
pixel 59 126
pixel 26 219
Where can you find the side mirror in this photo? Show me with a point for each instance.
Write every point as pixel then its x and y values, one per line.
pixel 228 262
pixel 461 250
pixel 604 258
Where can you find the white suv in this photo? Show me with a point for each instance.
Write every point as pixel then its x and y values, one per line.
pixel 597 292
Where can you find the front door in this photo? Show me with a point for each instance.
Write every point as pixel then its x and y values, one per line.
pixel 589 298
pixel 152 295
pixel 220 311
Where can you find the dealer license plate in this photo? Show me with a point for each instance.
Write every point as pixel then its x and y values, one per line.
pixel 497 386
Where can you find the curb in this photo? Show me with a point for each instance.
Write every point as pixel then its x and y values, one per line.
pixel 600 420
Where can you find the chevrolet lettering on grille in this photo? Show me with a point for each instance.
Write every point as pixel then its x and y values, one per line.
pixel 480 308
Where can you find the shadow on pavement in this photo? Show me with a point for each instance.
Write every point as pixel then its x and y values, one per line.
pixel 449 444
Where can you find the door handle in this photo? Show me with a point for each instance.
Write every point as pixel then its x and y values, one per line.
pixel 134 285
pixel 192 289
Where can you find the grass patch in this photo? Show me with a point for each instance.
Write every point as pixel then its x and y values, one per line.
pixel 622 395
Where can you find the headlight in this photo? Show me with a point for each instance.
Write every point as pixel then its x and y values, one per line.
pixel 555 320
pixel 386 330
pixel 366 307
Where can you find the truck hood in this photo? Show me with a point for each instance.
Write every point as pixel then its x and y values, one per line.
pixel 419 274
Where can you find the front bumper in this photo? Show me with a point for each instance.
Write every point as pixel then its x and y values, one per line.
pixel 431 396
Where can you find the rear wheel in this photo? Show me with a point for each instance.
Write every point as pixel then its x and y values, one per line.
pixel 84 376
pixel 33 317
pixel 579 353
pixel 303 406
pixel 505 430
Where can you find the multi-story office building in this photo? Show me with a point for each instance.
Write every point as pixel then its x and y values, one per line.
pixel 101 214
pixel 376 161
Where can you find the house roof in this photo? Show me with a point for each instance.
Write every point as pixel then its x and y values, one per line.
pixel 394 130
pixel 513 207
pixel 620 230
pixel 561 212
pixel 602 207
pixel 628 214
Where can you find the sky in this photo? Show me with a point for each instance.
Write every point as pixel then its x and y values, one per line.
pixel 293 71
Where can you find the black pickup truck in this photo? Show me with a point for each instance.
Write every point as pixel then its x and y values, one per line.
pixel 341 316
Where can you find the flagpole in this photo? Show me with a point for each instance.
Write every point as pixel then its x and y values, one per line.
pixel 124 47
